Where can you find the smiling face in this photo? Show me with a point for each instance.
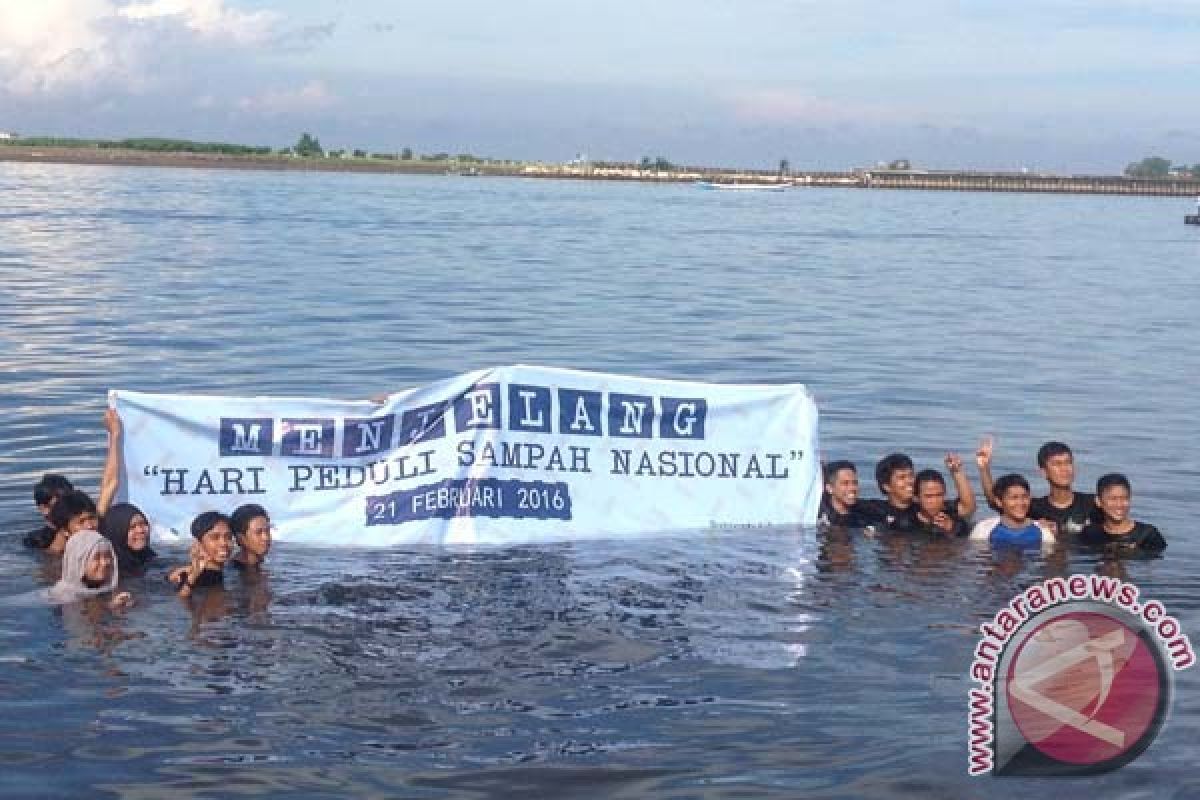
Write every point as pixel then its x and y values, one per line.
pixel 1114 501
pixel 899 488
pixel 1014 504
pixel 138 537
pixel 99 567
pixel 843 489
pixel 257 538
pixel 217 543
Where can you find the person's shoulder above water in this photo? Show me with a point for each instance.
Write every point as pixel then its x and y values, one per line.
pixel 1143 536
pixel 1083 506
pixel 998 534
pixel 39 539
pixel 882 514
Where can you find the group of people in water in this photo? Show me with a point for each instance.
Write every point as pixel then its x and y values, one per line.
pixel 101 542
pixel 916 502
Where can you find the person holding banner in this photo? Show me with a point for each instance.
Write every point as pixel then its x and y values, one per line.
pixel 214 545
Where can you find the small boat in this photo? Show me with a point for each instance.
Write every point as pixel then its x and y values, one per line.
pixel 754 187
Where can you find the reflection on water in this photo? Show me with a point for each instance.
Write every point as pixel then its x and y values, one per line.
pixel 725 664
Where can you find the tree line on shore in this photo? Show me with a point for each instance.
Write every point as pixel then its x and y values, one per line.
pixel 309 146
pixel 1158 167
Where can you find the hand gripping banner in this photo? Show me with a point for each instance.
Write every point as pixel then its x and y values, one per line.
pixel 499 456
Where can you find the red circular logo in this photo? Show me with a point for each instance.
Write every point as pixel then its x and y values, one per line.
pixel 1084 688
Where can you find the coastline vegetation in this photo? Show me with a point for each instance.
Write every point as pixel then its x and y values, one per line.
pixel 1152 175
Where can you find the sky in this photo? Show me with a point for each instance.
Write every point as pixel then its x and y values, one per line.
pixel 1077 86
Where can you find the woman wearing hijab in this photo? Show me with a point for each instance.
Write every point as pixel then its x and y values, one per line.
pixel 89 569
pixel 129 531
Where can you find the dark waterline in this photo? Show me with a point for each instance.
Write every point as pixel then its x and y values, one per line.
pixel 775 663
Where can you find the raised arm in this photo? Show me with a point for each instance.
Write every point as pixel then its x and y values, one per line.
pixel 966 495
pixel 111 477
pixel 983 459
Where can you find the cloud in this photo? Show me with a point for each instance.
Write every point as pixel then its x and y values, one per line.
pixel 772 106
pixel 208 18
pixel 52 46
pixel 304 37
pixel 313 96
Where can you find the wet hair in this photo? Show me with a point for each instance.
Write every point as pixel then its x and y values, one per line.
pixel 929 476
pixel 1051 449
pixel 1110 480
pixel 70 504
pixel 834 467
pixel 49 487
pixel 205 522
pixel 890 465
pixel 243 515
pixel 1006 482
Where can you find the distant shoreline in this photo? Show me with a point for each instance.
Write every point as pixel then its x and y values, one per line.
pixel 940 180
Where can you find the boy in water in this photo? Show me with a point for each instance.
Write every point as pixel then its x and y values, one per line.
pixel 70 514
pixel 894 475
pixel 839 502
pixel 45 493
pixel 251 528
pixel 1014 527
pixel 1067 509
pixel 934 514
pixel 207 558
pixel 1115 528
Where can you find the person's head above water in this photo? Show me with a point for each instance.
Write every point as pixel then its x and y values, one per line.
pixel 252 530
pixel 74 511
pixel 1114 496
pixel 1057 463
pixel 89 568
pixel 48 490
pixel 1012 494
pixel 895 475
pixel 212 533
pixel 129 531
pixel 841 483
pixel 930 489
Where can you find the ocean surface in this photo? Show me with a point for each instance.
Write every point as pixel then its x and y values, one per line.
pixel 742 664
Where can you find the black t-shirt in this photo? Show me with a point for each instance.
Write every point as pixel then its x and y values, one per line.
pixel 1071 520
pixel 830 517
pixel 206 579
pixel 951 508
pixel 882 514
pixel 1143 537
pixel 39 539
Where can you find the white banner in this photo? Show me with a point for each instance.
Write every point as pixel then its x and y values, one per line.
pixel 499 456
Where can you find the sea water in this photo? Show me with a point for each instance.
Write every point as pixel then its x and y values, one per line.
pixel 733 664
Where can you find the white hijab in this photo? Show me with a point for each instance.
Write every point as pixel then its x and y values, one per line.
pixel 80 548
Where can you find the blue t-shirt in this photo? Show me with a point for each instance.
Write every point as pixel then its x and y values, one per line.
pixel 1004 536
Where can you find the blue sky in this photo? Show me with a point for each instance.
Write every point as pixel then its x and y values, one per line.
pixel 1062 85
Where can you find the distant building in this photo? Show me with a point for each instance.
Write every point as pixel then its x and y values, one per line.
pixel 9 135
